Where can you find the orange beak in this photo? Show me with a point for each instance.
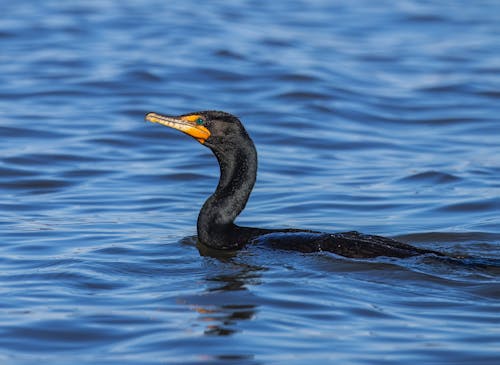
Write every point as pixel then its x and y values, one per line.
pixel 186 124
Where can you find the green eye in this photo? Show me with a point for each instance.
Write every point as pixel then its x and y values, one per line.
pixel 200 121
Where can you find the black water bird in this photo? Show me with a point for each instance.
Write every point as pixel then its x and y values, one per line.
pixel 225 135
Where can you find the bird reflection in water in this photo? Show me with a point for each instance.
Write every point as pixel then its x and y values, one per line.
pixel 226 301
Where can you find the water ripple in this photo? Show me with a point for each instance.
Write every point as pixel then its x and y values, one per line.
pixel 431 177
pixel 380 117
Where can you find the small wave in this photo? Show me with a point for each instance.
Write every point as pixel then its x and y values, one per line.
pixel 36 186
pixel 472 206
pixel 434 177
pixel 228 54
pixel 304 95
pixel 15 132
pixel 450 237
pixel 142 75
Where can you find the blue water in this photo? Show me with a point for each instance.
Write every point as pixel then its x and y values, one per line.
pixel 381 117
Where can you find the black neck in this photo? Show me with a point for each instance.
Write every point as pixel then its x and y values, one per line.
pixel 238 171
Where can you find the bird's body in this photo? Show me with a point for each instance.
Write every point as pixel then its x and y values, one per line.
pixel 224 134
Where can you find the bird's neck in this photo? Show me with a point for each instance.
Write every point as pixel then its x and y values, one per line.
pixel 238 171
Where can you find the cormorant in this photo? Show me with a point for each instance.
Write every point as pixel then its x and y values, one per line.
pixel 225 135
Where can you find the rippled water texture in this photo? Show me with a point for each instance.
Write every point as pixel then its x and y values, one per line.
pixel 377 116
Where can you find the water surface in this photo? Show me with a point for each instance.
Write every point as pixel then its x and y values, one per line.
pixel 378 117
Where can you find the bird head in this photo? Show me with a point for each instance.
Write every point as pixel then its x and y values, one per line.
pixel 210 128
